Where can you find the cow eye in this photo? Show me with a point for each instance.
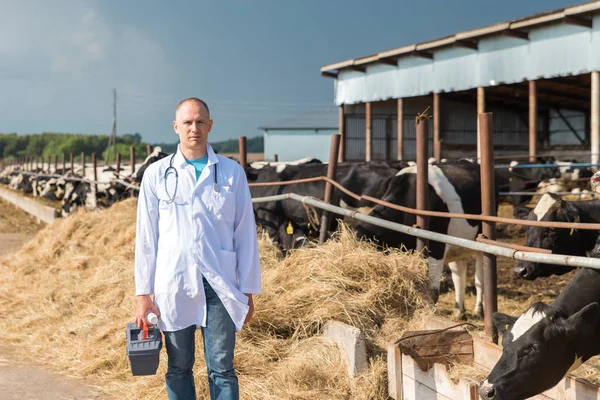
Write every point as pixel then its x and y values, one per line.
pixel 534 348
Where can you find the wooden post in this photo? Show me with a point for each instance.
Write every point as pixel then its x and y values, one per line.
pixel 55 163
pixel 49 163
pixel 488 207
pixel 368 137
pixel 64 169
pixel 595 118
pixel 480 110
pixel 389 133
pixel 437 145
pixel 118 168
pixel 243 152
pixel 400 130
pixel 72 161
pixel 422 183
pixel 331 170
pixel 132 159
pixel 275 157
pixel 149 149
pixel 341 126
pixel 532 121
pixel 83 164
pixel 95 167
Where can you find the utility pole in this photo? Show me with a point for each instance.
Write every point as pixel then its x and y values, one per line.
pixel 113 133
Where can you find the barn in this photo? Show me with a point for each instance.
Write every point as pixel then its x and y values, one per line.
pixel 539 75
pixel 300 136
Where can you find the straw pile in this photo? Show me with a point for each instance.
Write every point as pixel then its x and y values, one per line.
pixel 15 220
pixel 68 294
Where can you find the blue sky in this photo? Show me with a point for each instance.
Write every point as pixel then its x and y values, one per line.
pixel 254 62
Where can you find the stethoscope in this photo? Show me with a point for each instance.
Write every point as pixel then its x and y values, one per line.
pixel 216 186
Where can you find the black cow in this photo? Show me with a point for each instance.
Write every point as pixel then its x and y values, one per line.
pixel 547 341
pixel 453 187
pixel 576 242
pixel 288 221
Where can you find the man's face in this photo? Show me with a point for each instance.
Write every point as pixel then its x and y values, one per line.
pixel 192 124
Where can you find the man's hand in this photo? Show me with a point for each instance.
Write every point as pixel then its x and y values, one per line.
pixel 250 310
pixel 144 306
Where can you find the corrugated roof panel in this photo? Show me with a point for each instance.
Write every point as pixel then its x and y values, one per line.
pixel 551 51
pixel 455 69
pixel 501 60
pixel 381 79
pixel 414 75
pixel 594 48
pixel 559 50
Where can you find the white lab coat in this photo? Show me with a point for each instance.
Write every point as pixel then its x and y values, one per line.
pixel 202 232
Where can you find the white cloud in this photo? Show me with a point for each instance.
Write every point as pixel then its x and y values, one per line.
pixel 70 39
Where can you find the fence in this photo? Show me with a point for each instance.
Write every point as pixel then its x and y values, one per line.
pixel 485 243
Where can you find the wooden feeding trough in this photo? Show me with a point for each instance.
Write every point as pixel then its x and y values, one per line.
pixel 418 364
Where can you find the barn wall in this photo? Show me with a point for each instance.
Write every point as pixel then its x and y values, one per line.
pixel 292 145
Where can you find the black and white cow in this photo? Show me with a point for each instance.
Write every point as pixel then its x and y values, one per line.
pixel 156 155
pixel 575 242
pixel 547 341
pixel 453 187
pixel 288 222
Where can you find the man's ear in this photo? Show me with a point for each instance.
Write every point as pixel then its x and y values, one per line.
pixel 503 322
pixel 584 321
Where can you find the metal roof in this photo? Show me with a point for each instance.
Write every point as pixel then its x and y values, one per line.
pixel 576 15
pixel 319 119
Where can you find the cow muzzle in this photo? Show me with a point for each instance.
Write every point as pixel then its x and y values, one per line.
pixel 487 391
pixel 525 270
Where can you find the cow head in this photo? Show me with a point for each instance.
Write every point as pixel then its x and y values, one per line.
pixel 559 240
pixel 538 349
pixel 291 236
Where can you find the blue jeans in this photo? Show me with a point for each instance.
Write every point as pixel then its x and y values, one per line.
pixel 219 343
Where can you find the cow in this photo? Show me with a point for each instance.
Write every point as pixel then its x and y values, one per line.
pixel 547 341
pixel 292 219
pixel 575 242
pixel 574 177
pixel 453 187
pixel 156 155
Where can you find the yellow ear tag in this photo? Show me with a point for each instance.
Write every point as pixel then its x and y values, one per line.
pixel 289 229
pixel 507 325
pixel 573 229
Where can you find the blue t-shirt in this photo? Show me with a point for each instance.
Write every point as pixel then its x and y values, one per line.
pixel 199 164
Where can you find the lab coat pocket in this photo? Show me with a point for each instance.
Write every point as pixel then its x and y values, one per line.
pixel 228 266
pixel 221 204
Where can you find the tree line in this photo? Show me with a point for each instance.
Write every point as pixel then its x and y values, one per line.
pixel 51 144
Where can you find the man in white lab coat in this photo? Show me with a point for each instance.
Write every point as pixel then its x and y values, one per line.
pixel 196 251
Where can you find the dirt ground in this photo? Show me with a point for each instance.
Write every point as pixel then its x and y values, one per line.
pixel 20 377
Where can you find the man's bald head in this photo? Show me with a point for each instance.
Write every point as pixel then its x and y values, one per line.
pixel 192 100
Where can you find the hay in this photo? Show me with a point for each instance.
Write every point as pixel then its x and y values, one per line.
pixel 15 220
pixel 68 294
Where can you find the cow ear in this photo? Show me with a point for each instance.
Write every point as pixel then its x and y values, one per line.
pixel 569 211
pixel 585 320
pixel 502 321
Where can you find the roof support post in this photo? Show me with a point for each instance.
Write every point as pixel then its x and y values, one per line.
pixel 341 127
pixel 400 129
pixel 532 120
pixel 368 135
pixel 595 117
pixel 480 110
pixel 437 145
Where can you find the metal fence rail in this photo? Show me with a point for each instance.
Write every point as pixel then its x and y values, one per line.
pixel 559 259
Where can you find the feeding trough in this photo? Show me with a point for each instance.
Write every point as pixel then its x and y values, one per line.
pixel 419 363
